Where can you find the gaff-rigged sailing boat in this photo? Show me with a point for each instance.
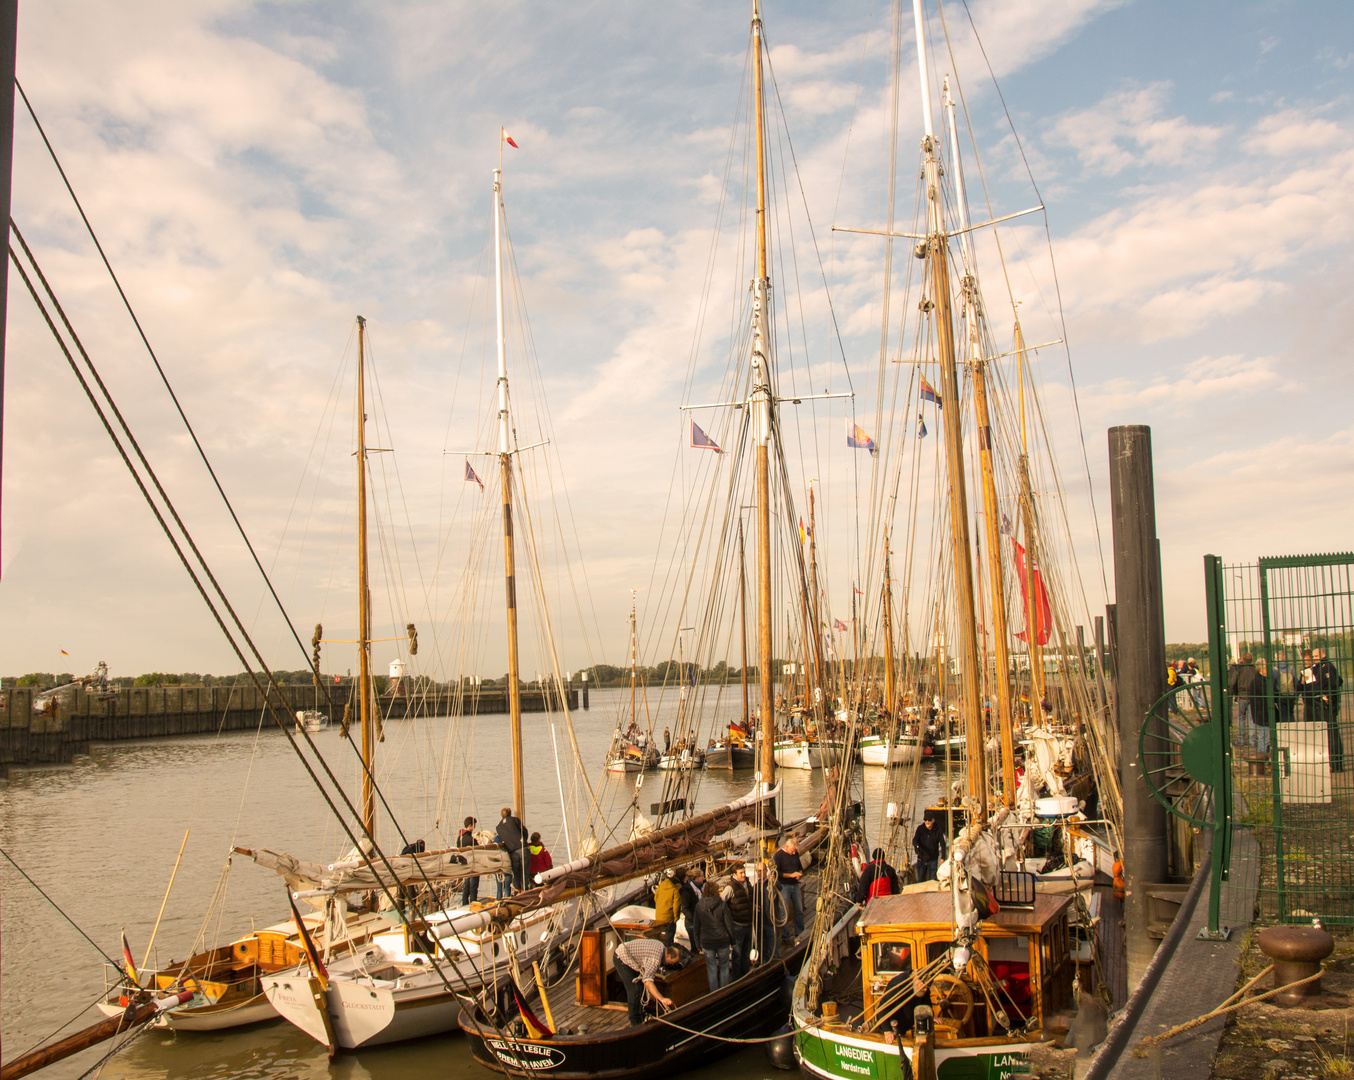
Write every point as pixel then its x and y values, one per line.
pixel 576 1030
pixel 995 976
pixel 411 981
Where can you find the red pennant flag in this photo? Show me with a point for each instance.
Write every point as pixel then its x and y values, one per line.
pixel 508 139
pixel 1043 613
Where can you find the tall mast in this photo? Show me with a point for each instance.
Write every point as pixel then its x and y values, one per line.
pixel 505 476
pixel 937 252
pixel 890 690
pixel 634 704
pixel 762 419
pixel 1033 631
pixel 743 622
pixel 991 512
pixel 816 629
pixel 364 703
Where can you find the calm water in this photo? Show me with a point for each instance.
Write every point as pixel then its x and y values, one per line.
pixel 101 837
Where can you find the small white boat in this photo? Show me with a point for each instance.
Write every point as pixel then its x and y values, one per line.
pixel 879 750
pixel 802 753
pixel 682 759
pixel 311 720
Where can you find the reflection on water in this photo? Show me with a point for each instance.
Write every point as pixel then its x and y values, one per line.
pixel 101 837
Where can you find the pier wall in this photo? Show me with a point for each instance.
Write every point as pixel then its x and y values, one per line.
pixel 148 712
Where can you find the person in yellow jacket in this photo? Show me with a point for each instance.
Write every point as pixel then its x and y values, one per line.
pixel 667 899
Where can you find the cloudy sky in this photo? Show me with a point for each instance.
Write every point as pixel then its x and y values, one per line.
pixel 261 174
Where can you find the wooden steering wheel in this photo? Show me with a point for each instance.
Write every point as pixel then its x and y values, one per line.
pixel 951 997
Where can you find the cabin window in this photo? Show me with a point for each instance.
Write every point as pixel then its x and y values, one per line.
pixel 892 958
pixel 936 949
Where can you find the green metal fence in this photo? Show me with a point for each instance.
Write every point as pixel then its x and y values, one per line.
pixel 1288 720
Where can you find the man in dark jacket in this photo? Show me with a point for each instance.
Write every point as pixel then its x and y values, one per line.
pixel 739 899
pixel 716 930
pixel 1328 683
pixel 928 842
pixel 512 834
pixel 470 888
pixel 1243 682
pixel 877 878
pixel 692 889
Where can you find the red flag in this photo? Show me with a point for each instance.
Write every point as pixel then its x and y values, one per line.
pixel 1043 614
pixel 508 139
pixel 312 953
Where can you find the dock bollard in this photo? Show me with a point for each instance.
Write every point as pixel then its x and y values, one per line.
pixel 1297 952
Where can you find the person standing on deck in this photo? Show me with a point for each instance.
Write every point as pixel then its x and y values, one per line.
pixel 637 963
pixel 929 844
pixel 790 872
pixel 739 899
pixel 716 927
pixel 470 889
pixel 541 860
pixel 667 902
pixel 667 740
pixel 877 878
pixel 512 834
pixel 692 888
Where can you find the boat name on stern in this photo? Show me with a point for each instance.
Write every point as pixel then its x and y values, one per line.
pixel 525 1054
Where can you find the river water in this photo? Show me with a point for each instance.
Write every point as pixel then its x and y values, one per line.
pixel 101 838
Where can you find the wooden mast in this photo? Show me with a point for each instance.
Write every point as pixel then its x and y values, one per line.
pixel 364 703
pixel 743 624
pixel 1033 631
pixel 634 704
pixel 890 689
pixel 936 249
pixel 505 478
pixel 763 405
pixel 991 510
pixel 816 629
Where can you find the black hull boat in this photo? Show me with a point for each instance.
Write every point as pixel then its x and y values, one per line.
pixel 757 1005
pixel 724 756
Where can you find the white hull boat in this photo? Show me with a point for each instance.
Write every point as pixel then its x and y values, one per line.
pixel 875 750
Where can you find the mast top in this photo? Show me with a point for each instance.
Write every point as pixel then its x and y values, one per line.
pixel 361 321
pixel 919 21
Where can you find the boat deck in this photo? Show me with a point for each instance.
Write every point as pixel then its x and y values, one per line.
pixel 571 1018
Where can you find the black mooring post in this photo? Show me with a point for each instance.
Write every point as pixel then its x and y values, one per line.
pixel 9 37
pixel 1140 670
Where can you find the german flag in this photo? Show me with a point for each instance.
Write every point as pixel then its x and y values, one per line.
pixel 536 1029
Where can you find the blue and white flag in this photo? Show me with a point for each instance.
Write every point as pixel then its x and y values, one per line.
pixel 702 441
pixel 470 474
pixel 921 427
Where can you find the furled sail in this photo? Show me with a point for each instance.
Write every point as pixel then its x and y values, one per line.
pixel 354 875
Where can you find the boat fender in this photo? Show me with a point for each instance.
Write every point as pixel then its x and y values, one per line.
pixel 780 1050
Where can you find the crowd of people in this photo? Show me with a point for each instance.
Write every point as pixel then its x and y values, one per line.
pixel 1307 688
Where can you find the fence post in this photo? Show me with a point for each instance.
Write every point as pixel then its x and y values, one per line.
pixel 1222 723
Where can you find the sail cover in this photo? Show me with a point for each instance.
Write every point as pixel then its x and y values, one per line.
pixel 353 875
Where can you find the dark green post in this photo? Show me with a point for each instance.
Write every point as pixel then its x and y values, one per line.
pixel 1222 724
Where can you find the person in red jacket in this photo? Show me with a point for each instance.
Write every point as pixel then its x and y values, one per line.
pixel 540 859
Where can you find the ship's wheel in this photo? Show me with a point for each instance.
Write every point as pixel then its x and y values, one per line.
pixel 952 998
pixel 1181 754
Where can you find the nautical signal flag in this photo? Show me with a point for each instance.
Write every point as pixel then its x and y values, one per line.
pixel 471 475
pixel 702 441
pixel 921 427
pixel 801 532
pixel 508 139
pixel 928 393
pixel 837 624
pixel 857 439
pixel 1006 529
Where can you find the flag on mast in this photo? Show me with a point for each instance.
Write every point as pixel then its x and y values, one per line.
pixel 801 532
pixel 702 441
pixel 856 438
pixel 128 964
pixel 837 624
pixel 921 427
pixel 928 393
pixel 471 475
pixel 508 139
pixel 1043 613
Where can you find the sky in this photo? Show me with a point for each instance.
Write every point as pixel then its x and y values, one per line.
pixel 261 174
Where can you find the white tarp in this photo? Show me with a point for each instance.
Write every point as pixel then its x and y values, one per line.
pixel 353 875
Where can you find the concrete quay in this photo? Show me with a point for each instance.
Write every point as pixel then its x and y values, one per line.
pixel 147 712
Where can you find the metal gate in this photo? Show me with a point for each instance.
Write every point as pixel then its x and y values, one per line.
pixel 1291 784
